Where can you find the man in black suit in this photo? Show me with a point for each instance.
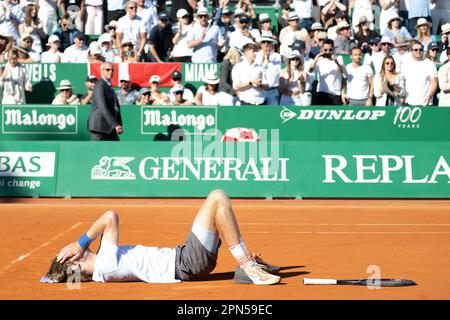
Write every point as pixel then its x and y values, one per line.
pixel 105 121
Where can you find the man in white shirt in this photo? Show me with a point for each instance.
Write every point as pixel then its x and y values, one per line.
pixel 194 260
pixel 240 37
pixel 248 79
pixel 329 72
pixel 132 27
pixel 270 61
pixel 421 77
pixel 204 39
pixel 78 52
pixel 305 11
pixel 357 86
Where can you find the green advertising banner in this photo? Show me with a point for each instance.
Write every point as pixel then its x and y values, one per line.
pixel 28 169
pixel 169 169
pixel 338 169
pixel 281 123
pixel 297 169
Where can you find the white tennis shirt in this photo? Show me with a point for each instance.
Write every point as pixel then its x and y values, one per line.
pixel 134 263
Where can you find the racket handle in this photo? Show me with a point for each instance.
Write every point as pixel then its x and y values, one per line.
pixel 319 281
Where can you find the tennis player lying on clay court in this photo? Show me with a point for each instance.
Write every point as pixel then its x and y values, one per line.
pixel 194 260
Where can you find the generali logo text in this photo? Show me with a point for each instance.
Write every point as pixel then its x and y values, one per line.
pixel 183 169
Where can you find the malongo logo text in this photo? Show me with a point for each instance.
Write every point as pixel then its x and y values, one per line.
pixel 42 120
pixel 192 120
pixel 186 169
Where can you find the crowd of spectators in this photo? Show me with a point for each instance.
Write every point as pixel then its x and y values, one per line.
pixel 396 48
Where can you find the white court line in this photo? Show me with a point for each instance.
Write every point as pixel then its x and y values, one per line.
pixel 349 232
pixel 325 224
pixel 26 255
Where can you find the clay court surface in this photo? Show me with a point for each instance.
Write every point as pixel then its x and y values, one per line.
pixel 309 238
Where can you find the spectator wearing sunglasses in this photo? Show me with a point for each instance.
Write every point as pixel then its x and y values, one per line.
pixel 420 77
pixel 132 27
pixel 127 53
pixel 160 39
pixel 177 80
pixel 386 46
pixel 243 35
pixel 66 95
pixel 66 33
pixel 144 97
pixel 177 92
pixel 126 94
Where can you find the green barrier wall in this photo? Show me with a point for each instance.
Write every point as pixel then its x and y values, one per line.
pixel 288 169
pixel 150 123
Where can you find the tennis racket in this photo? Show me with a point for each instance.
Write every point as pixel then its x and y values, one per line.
pixel 362 282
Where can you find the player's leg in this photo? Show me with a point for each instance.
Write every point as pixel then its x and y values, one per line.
pixel 216 217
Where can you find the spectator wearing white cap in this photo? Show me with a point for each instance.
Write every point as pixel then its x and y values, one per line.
pixel 125 94
pixel 204 39
pixel 343 43
pixel 181 52
pixel 209 94
pixel 94 17
pixel 177 96
pixel 362 8
pixel 127 52
pixel 132 27
pixel 95 53
pixel 423 33
pixel 293 80
pixel 14 79
pixel 158 97
pixel 386 45
pixel 364 34
pixel 78 52
pixel 357 85
pixel 189 5
pixel 421 77
pixel 65 95
pixel 313 44
pixel 416 9
pixel 248 80
pixel 52 55
pixel 264 28
pixel 388 8
pixel 106 45
pixel 291 31
pixel 270 61
pixel 394 28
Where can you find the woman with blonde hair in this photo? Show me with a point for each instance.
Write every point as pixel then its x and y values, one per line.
pixel 424 35
pixel 293 81
pixel 389 85
pixel 232 58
